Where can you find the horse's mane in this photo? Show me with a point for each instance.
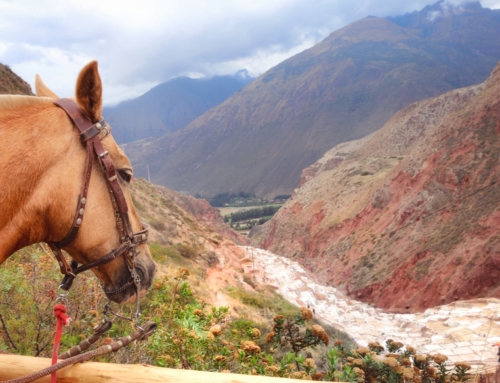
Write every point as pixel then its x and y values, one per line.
pixel 11 102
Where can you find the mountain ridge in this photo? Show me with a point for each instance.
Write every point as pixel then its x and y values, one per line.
pixel 169 106
pixel 343 88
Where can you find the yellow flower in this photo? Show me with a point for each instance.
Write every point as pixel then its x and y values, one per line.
pixel 216 330
pixel 411 350
pixel 359 372
pixel 392 362
pixel 306 313
pixel 362 350
pixel 250 347
pixel 199 313
pixel 464 365
pixel 405 362
pixel 270 337
pixel 255 332
pixel 220 358
pixel 407 373
pixel 272 369
pixel 440 358
pixel 431 371
pixel 358 362
pixel 320 333
pixel 309 363
pixel 421 359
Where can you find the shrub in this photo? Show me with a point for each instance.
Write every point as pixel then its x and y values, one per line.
pixel 194 335
pixel 186 251
pixel 157 224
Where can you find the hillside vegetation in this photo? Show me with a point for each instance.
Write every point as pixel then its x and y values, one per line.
pixel 255 331
pixel 344 88
pixel 210 315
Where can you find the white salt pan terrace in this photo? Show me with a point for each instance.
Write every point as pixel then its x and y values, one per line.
pixel 462 330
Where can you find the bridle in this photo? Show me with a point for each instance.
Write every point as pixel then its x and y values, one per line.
pixel 91 135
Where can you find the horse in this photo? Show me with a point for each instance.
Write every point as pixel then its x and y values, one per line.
pixel 45 166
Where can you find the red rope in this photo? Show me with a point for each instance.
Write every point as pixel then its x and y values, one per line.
pixel 62 319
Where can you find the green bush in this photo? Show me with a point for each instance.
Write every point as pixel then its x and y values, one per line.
pixel 157 224
pixel 194 335
pixel 186 251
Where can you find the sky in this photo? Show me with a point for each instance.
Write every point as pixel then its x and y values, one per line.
pixel 140 44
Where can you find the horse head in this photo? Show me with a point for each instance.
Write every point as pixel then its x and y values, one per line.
pixel 101 224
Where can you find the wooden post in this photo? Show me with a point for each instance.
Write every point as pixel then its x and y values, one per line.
pixel 15 366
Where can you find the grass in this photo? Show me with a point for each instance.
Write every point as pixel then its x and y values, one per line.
pixel 228 210
pixel 263 299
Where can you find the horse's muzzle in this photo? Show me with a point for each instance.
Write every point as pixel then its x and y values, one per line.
pixel 127 292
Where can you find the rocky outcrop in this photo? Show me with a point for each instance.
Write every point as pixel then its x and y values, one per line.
pixel 409 219
pixel 11 83
pixel 204 213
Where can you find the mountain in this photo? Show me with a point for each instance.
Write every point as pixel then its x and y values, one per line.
pixel 408 217
pixel 11 83
pixel 169 106
pixel 342 89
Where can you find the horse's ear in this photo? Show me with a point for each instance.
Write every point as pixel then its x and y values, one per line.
pixel 43 90
pixel 89 91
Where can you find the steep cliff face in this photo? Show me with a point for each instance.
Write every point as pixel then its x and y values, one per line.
pixel 409 217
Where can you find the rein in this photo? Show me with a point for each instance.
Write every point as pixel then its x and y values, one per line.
pixel 91 135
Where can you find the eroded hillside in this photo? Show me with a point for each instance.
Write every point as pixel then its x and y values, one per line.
pixel 187 232
pixel 407 218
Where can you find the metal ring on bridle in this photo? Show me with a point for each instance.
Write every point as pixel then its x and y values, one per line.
pixel 61 294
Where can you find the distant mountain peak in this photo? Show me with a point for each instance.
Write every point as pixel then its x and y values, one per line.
pixel 341 89
pixel 169 106
pixel 244 76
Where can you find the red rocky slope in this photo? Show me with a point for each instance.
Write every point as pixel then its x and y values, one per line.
pixel 204 213
pixel 409 217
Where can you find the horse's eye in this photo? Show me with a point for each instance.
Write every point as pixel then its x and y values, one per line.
pixel 125 174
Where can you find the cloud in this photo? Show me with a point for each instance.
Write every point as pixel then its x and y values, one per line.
pixel 446 8
pixel 143 43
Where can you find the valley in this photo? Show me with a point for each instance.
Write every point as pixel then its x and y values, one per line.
pixel 359 178
pixel 463 330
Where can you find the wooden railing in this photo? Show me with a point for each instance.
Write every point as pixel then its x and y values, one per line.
pixel 15 366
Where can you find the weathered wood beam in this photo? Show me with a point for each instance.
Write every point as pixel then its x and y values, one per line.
pixel 15 366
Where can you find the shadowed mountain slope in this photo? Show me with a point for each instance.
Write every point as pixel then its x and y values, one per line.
pixel 343 88
pixel 168 107
pixel 408 217
pixel 10 83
